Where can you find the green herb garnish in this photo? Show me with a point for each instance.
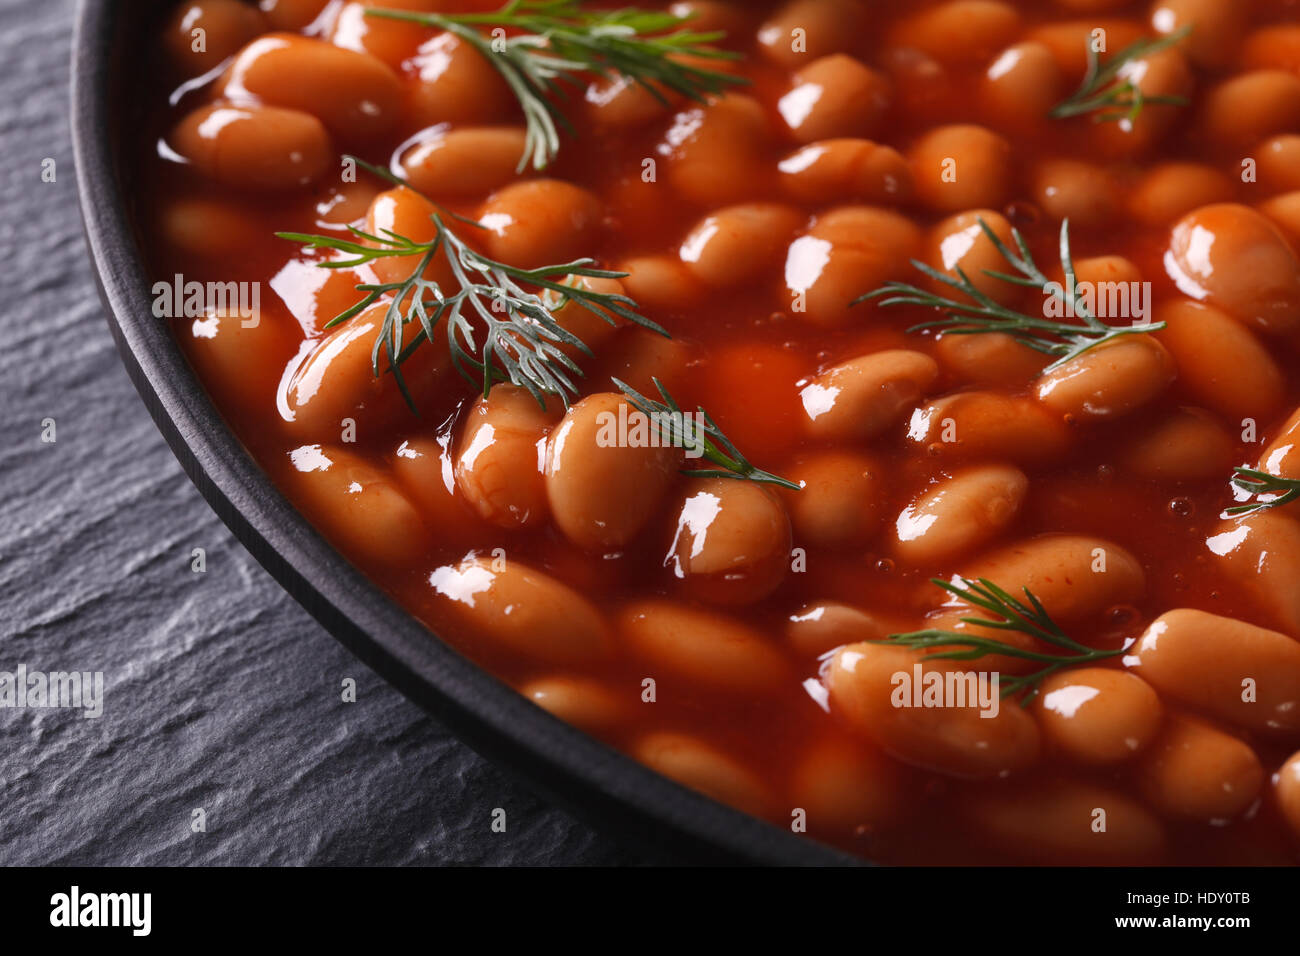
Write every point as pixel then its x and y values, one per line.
pixel 557 42
pixel 520 337
pixel 700 433
pixel 1111 97
pixel 1062 339
pixel 1009 614
pixel 1259 483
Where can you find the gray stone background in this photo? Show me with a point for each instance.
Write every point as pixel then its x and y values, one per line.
pixel 221 692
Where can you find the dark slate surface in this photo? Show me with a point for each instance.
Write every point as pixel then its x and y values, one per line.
pixel 222 694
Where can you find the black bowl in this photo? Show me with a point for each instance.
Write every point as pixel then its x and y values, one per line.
pixel 575 770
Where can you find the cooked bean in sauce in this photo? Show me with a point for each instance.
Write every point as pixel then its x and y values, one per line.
pixel 826 235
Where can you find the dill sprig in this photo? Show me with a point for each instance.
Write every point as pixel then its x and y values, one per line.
pixel 557 42
pixel 520 338
pixel 700 433
pixel 981 314
pixel 1258 483
pixel 1009 614
pixel 1113 97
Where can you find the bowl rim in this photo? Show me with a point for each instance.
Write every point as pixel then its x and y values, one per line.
pixel 576 771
